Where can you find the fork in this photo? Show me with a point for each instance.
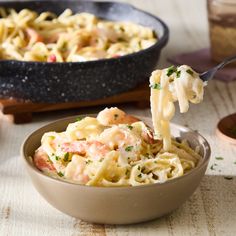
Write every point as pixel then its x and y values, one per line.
pixel 207 75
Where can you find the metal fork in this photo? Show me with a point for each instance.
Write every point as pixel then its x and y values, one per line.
pixel 207 75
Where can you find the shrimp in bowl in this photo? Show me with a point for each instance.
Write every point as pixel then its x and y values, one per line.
pixel 111 149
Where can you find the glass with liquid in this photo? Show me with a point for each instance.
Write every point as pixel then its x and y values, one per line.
pixel 222 27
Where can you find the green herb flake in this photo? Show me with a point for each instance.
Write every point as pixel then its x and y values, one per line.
pixel 178 73
pixel 139 168
pixel 219 158
pixel 155 86
pixel 212 167
pixel 116 116
pixel 129 148
pixel 130 127
pixel 140 175
pixel 57 158
pixel 89 161
pixel 189 71
pixel 228 177
pixel 171 70
pixel 79 118
pixel 66 157
pixel 60 174
pixel 235 163
pixel 127 172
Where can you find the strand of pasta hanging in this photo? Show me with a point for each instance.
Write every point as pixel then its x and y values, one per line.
pixel 180 84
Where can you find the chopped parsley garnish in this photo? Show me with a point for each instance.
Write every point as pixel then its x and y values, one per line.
pixel 57 158
pixel 66 157
pixel 189 71
pixel 171 70
pixel 79 118
pixel 178 73
pixel 139 168
pixel 219 158
pixel 127 172
pixel 130 127
pixel 129 148
pixel 89 161
pixel 155 86
pixel 101 159
pixel 235 163
pixel 60 174
pixel 140 175
pixel 116 116
pixel 228 177
pixel 212 166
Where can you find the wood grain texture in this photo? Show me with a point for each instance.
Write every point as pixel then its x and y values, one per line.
pixel 211 211
pixel 21 111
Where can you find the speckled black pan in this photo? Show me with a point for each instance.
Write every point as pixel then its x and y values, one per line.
pixel 80 81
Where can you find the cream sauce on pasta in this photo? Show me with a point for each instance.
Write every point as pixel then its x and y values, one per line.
pixel 29 36
pixel 173 84
pixel 112 149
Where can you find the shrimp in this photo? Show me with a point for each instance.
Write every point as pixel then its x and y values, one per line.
pixel 34 35
pixel 144 131
pixel 114 116
pixel 120 138
pixel 42 161
pixel 94 149
pixel 75 170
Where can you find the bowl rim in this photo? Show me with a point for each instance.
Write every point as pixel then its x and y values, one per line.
pixel 159 44
pixel 205 158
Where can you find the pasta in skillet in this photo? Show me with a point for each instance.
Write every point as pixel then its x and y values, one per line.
pixel 29 36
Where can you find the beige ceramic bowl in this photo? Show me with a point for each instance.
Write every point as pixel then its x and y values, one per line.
pixel 115 205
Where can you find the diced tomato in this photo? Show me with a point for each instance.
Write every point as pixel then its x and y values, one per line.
pixel 115 56
pixel 52 58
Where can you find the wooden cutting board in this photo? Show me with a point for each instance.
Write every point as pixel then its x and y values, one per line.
pixel 21 112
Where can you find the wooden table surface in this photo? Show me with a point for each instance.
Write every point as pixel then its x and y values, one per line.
pixel 212 208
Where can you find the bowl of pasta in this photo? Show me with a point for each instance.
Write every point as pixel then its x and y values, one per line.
pixel 109 168
pixel 115 168
pixel 76 50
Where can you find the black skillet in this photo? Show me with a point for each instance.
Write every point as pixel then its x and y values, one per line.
pixel 82 81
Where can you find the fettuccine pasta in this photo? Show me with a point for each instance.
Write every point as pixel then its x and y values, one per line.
pixel 180 84
pixel 113 149
pixel 45 37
